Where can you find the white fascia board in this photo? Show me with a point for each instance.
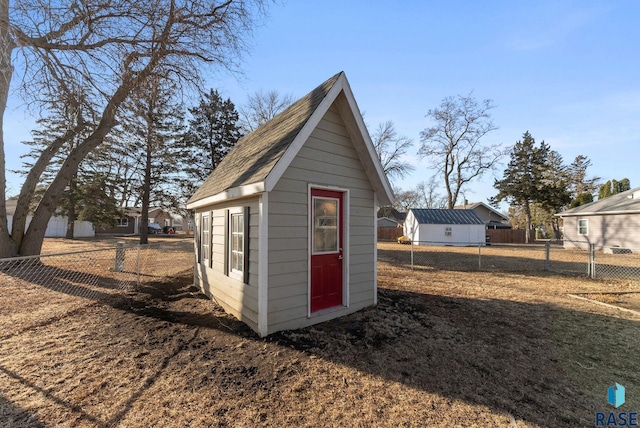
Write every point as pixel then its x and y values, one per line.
pixel 592 213
pixel 286 159
pixel 229 194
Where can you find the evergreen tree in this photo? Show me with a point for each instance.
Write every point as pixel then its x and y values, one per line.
pixel 76 199
pixel 154 131
pixel 554 193
pixel 581 199
pixel 581 188
pixel 213 130
pixel 611 187
pixel 521 184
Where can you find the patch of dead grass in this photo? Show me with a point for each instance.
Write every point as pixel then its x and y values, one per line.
pixel 442 348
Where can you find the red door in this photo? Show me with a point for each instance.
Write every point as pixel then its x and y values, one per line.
pixel 326 249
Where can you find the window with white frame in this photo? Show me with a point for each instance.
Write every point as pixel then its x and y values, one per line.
pixel 583 227
pixel 122 222
pixel 236 244
pixel 205 238
pixel 447 231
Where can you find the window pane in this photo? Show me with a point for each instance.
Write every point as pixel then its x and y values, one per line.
pixel 236 241
pixel 325 225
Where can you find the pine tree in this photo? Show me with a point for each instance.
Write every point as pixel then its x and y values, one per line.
pixel 213 130
pixel 611 187
pixel 64 114
pixel 521 184
pixel 154 131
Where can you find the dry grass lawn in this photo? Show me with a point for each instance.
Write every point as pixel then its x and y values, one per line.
pixel 442 348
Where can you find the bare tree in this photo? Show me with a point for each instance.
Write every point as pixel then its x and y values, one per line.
pixel 261 107
pixel 424 195
pixel 112 47
pixel 453 144
pixel 391 148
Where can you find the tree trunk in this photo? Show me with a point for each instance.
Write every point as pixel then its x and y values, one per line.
pixel 31 181
pixel 71 212
pixel 527 216
pixel 8 246
pixel 32 241
pixel 33 238
pixel 146 186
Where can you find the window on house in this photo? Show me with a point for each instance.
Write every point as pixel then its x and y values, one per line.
pixel 583 227
pixel 447 231
pixel 122 222
pixel 236 244
pixel 205 239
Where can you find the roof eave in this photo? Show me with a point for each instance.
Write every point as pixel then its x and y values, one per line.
pixel 592 213
pixel 229 194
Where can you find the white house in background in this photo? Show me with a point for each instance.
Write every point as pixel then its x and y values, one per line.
pixel 286 224
pixel 57 226
pixel 444 227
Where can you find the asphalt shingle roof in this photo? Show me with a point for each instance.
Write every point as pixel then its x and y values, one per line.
pixel 624 202
pixel 442 216
pixel 255 155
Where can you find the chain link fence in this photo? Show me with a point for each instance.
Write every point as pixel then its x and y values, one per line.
pixel 35 290
pixel 560 257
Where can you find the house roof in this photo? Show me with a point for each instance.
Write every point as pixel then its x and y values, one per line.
pixel 443 216
pixel 258 160
pixel 474 205
pixel 621 203
pixel 391 213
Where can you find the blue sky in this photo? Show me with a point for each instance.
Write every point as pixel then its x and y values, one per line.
pixel 567 71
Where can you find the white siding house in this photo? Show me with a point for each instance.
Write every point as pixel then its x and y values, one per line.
pixel 286 224
pixel 457 227
pixel 57 225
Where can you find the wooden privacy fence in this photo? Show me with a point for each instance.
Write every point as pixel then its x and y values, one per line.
pixel 389 233
pixel 506 236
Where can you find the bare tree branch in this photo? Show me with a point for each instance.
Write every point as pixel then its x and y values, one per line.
pixel 453 145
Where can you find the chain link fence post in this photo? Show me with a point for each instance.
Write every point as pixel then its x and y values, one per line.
pixel 592 261
pixel 138 264
pixel 120 256
pixel 412 254
pixel 547 250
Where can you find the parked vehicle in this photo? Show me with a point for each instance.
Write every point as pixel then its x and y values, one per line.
pixel 153 228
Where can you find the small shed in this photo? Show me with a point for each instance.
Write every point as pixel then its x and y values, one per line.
pixel 457 227
pixel 286 224
pixel 611 224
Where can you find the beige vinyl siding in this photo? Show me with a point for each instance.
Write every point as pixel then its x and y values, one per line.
pixel 327 158
pixel 621 230
pixel 241 300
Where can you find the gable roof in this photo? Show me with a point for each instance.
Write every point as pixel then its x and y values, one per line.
pixel 621 203
pixel 391 213
pixel 474 205
pixel 258 160
pixel 445 216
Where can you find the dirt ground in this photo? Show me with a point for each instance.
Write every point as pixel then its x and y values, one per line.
pixel 442 348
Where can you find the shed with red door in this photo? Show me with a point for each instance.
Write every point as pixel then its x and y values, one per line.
pixel 286 224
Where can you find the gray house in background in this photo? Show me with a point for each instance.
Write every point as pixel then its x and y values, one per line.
pixel 492 218
pixel 286 224
pixel 607 223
